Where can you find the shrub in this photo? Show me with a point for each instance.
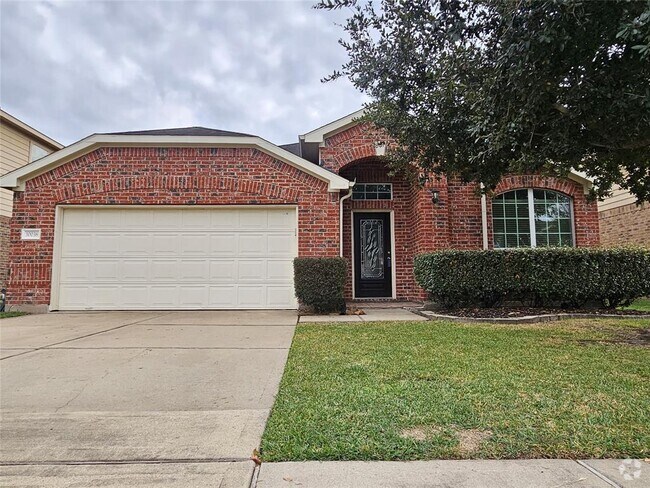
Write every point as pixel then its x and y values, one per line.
pixel 566 277
pixel 320 282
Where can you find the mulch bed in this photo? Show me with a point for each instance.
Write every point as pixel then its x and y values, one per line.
pixel 514 312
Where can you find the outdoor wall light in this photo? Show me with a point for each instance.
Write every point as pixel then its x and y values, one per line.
pixel 435 196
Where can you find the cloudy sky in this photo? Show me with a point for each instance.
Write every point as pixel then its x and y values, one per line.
pixel 73 68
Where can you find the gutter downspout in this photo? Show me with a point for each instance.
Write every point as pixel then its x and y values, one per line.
pixel 341 216
pixel 484 222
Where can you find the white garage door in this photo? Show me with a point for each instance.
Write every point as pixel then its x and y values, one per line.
pixel 176 258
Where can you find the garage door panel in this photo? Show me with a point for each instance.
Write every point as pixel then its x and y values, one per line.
pixel 134 296
pixel 251 270
pixel 281 244
pixel 253 219
pixel 226 219
pixel 104 296
pixel 192 296
pixel 75 269
pixel 106 269
pixel 222 296
pixel 163 297
pixel 252 244
pixel 251 296
pixel 279 269
pixel 106 244
pixel 195 244
pixel 194 219
pixel 164 270
pixel 135 270
pixel 193 270
pixel 282 220
pixel 76 244
pixel 75 297
pixel 132 244
pixel 79 220
pixel 165 244
pixel 170 258
pixel 223 244
pixel 223 270
pixel 277 295
pixel 166 219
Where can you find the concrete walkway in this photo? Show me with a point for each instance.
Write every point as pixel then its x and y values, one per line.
pixel 137 398
pixel 533 473
pixel 370 315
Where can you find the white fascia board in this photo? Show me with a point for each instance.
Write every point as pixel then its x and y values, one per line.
pixel 581 178
pixel 319 135
pixel 15 180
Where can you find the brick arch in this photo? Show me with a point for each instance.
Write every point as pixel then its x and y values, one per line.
pixel 355 143
pixel 562 185
pixel 171 183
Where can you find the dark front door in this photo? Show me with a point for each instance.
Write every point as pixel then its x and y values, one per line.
pixel 372 255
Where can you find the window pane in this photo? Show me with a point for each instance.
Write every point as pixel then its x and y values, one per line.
pixel 512 240
pixel 552 218
pixel 510 220
pixel 499 226
pixel 372 191
pixel 566 239
pixel 565 225
pixel 524 225
pixel 511 210
pixel 522 195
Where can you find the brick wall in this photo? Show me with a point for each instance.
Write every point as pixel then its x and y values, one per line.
pixel 625 225
pixel 156 176
pixel 4 250
pixel 422 226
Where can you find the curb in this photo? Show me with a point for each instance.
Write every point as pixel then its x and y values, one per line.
pixel 527 319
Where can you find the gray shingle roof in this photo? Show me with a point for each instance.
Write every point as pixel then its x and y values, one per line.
pixel 181 131
pixel 292 148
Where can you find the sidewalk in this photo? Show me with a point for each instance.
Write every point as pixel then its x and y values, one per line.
pixel 370 315
pixel 521 473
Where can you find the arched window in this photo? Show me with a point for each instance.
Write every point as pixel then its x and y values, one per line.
pixel 532 218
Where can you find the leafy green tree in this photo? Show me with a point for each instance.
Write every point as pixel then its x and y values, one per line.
pixel 482 88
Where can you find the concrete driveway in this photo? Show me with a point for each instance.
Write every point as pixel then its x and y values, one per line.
pixel 138 398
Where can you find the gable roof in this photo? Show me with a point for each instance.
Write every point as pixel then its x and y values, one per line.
pixel 37 136
pixel 181 131
pixel 15 180
pixel 339 125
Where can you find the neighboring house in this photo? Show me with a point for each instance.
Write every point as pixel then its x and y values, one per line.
pixel 196 218
pixel 622 221
pixel 20 144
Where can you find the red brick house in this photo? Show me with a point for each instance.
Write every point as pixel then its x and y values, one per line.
pixel 199 218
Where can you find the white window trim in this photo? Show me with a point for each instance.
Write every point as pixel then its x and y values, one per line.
pixel 359 184
pixel 531 219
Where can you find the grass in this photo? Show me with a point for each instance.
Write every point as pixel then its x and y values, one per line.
pixel 8 315
pixel 641 304
pixel 429 390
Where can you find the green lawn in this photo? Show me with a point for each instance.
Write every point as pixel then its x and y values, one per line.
pixel 8 315
pixel 642 304
pixel 425 390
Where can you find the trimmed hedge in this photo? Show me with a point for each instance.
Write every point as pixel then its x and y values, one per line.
pixel 320 282
pixel 565 277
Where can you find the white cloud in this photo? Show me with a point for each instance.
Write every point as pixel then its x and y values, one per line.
pixel 72 68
